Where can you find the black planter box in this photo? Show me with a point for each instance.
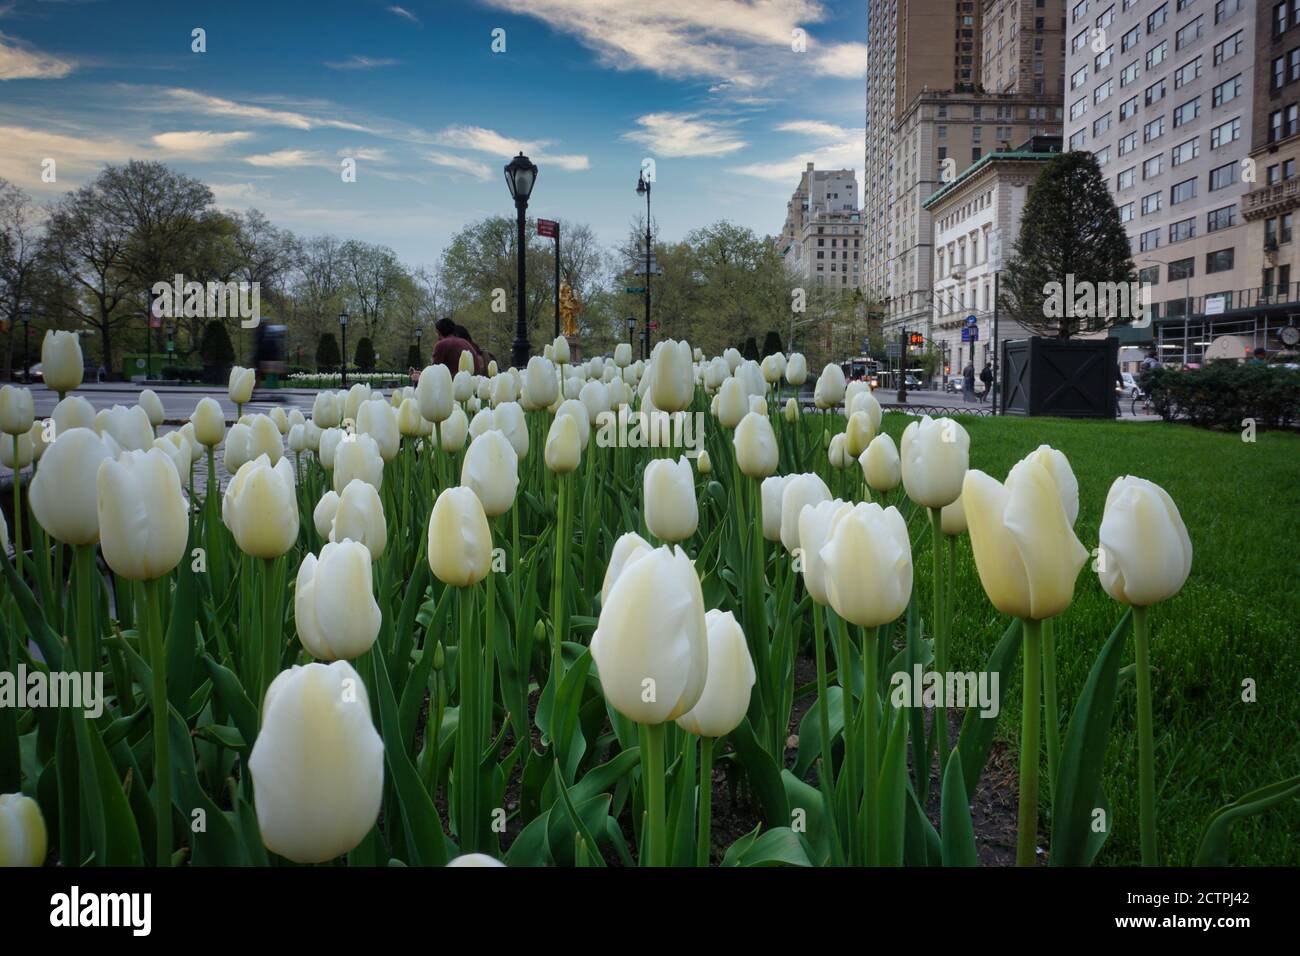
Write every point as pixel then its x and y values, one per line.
pixel 1069 378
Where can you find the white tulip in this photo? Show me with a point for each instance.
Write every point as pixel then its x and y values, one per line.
pixel 728 683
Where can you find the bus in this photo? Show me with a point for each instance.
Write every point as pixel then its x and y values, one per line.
pixel 862 368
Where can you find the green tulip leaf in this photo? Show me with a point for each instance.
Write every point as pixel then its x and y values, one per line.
pixel 957 831
pixel 976 737
pixel 1216 839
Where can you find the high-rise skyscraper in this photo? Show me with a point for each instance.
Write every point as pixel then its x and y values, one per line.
pixel 821 241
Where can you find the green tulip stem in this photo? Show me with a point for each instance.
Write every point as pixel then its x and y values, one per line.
pixel 1027 827
pixel 84 563
pixel 271 620
pixel 706 801
pixel 162 773
pixel 655 833
pixel 561 566
pixel 823 699
pixel 1051 716
pixel 851 771
pixel 468 729
pixel 489 665
pixel 18 514
pixel 1146 739
pixel 870 782
pixel 940 630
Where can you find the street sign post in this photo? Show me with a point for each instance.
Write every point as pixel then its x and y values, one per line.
pixel 550 228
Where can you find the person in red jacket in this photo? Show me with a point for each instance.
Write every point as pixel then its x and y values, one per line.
pixel 446 351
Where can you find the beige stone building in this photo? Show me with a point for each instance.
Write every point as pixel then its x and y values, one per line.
pixel 821 241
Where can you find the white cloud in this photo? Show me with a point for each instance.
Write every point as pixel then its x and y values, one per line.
pixel 819 129
pixel 462 164
pixel 834 147
pixel 684 134
pixel 404 13
pixel 848 60
pixel 481 140
pixel 284 158
pixel 232 193
pixel 368 154
pixel 19 62
pixel 198 143
pixel 26 149
pixel 358 62
pixel 193 101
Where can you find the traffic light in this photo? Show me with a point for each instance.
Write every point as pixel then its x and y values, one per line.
pixel 917 338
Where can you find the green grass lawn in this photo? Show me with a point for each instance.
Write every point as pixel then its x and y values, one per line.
pixel 1236 618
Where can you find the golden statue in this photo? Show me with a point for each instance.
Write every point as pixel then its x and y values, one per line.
pixel 569 309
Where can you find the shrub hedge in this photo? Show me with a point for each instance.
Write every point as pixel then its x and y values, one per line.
pixel 1225 393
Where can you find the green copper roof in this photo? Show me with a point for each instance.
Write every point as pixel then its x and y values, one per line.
pixel 981 163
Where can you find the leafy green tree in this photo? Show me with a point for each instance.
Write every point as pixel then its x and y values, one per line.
pixel 1070 228
pixel 327 352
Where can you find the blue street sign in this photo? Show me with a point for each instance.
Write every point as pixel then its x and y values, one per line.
pixel 970 333
pixel 971 320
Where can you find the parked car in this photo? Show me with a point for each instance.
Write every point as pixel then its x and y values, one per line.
pixel 1131 387
pixel 912 381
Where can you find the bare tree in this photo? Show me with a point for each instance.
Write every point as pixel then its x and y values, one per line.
pixel 21 246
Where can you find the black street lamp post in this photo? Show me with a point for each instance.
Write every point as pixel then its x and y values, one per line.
pixel 643 189
pixel 343 329
pixel 631 331
pixel 419 334
pixel 27 346
pixel 521 175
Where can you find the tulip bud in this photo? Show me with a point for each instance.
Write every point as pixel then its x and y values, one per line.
pixel 22 831
pixel 671 513
pixel 327 410
pixel 240 388
pixel 674 383
pixel 837 453
pixel 509 420
pixel 628 548
pixel 815 524
pixel 327 449
pixel 474 859
pixel 791 411
pixel 864 401
pixel 354 398
pixel 880 464
pixel 728 683
pixel 334 603
pixel 502 390
pixel 704 464
pixel 595 398
pixel 62 365
pixel 452 432
pixel 733 403
pixel 541 381
pixel 575 408
pixel 716 373
pixel 143 518
pixel 858 434
pixel 460 541
pixel 318 764
pixel 623 354
pixel 800 491
pixel 462 386
pixel 296 417
pixel 359 517
pixel 298 439
pixel 238 445
pixel 410 423
pixel 1067 487
pixel 733 359
pixel 758 405
pixel 178 455
pixel 563 445
pixel 63 497
pixel 1025 551
pixel 830 387
pixel 1145 553
pixel 868 562
pixel 358 457
pixel 378 419
pixel 481 423
pixel 26 453
pixel 323 514
pixel 491 470
pixel 129 427
pixel 260 507
pixel 796 369
pixel 209 422
pixel 264 439
pixel 773 368
pixel 73 412
pixel 772 495
pixel 751 378
pixel 651 643
pixel 935 455
pixel 756 451
pixel 560 350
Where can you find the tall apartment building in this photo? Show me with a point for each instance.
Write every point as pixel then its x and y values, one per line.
pixel 1161 92
pixel 1024 47
pixel 821 241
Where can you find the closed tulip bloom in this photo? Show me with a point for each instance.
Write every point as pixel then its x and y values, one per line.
pixel 209 422
pixel 37 435
pixel 178 455
pixel 482 423
pixel 280 419
pixel 880 464
pixel 358 457
pixel 868 565
pixel 852 389
pixel 359 517
pixel 475 859
pixel 296 417
pixel 353 399
pixel 791 411
pixel 298 439
pixel 129 427
pixel 703 463
pixel 772 497
pixel 334 604
pixel 378 419
pixel 1146 553
pixel 260 508
pixel 73 412
pixel 837 453
pixel 541 381
pixel 452 432
pixel 756 451
pixel 1025 551
pixel 143 518
pixel 22 831
pixel 460 541
pixel 238 445
pixel 560 350
pixel 63 497
pixel 733 358
pixel 240 388
pixel 774 368
pixel 758 404
pixel 674 378
pixel 623 354
pixel 651 645
pixel 829 391
pixel 563 445
pixel 733 403
pixel 715 373
pixel 323 514
pixel 577 410
pixel 1067 486
pixel 186 431
pixel 318 764
pixel 796 369
pixel 801 491
pixel 572 387
pixel 327 410
pixel 502 390
pixel 751 378
pixel 265 439
pixel 858 434
pixel 311 436
pixel 410 423
pixel 17 410
pixel 952 519
pixel 491 471
pixel 728 683
pixel 671 512
pixel 935 456
pixel 462 386
pixel 865 401
pixel 629 547
pixel 330 439
pixel 62 365
pixel 595 397
pixel 815 523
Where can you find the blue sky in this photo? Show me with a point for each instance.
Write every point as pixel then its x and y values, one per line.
pixel 711 89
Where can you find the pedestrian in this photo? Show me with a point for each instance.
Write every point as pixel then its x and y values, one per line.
pixel 1150 362
pixel 1260 357
pixel 986 376
pixel 968 382
pixel 480 363
pixel 446 351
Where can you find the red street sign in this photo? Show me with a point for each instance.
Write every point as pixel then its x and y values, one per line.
pixel 548 227
pixel 654 326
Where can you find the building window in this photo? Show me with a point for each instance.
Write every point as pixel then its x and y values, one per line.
pixel 1128 109
pixel 1103 59
pixel 1149 275
pixel 1080 76
pixel 1126 179
pixel 1102 156
pixel 1128 143
pixel 1153 130
pixel 1149 240
pixel 1223 176
pixel 1187 112
pixel 1078 108
pixel 1157 17
pixel 1156 55
pixel 1189 33
pixel 1181 269
pixel 1188 72
pixel 1181 192
pixel 1126 212
pixel 1183 229
pixel 1155 92
pixel 1129 74
pixel 1226 8
pixel 1130 39
pixel 1225 133
pixel 1279 19
pixel 1217 219
pixel 1151 203
pixel 1221 260
pixel 1186 152
pixel 1151 168
pixel 1229 47
pixel 1102 93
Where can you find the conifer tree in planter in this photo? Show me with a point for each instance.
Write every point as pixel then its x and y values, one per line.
pixel 327 353
pixel 216 352
pixel 365 355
